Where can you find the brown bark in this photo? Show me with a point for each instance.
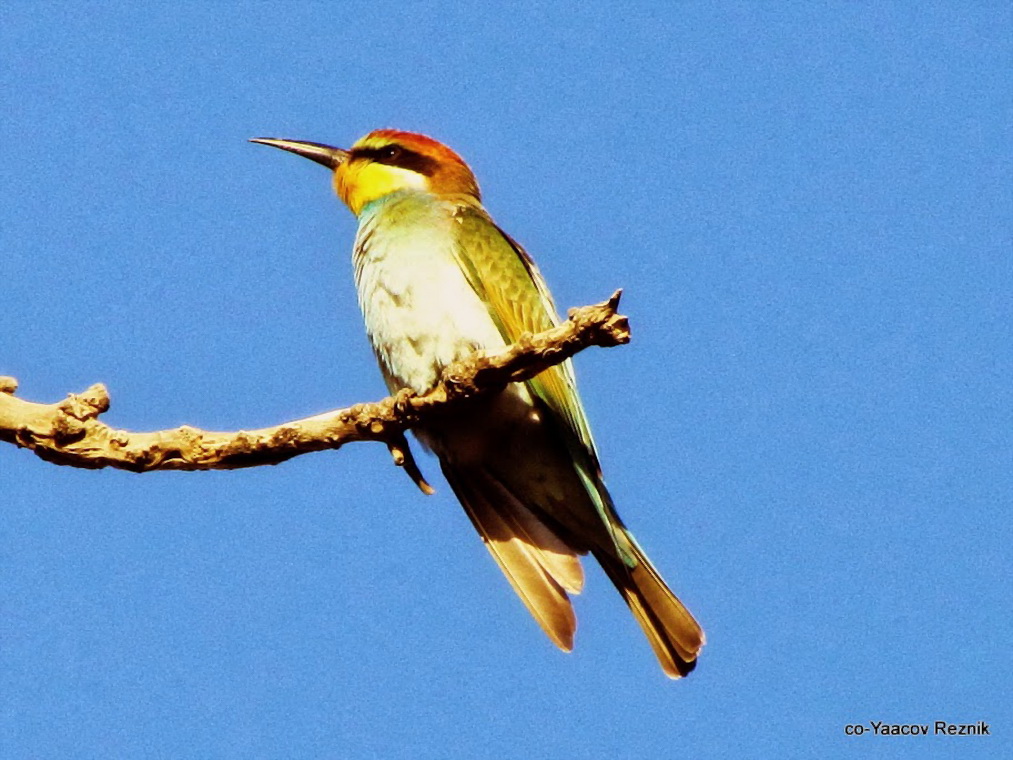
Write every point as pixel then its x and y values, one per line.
pixel 69 432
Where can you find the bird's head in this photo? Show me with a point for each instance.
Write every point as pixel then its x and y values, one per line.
pixel 385 161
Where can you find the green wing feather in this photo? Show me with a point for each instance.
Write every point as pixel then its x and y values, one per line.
pixel 505 277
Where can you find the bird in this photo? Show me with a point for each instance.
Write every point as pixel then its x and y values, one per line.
pixel 438 280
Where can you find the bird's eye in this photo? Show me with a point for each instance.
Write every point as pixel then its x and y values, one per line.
pixel 389 152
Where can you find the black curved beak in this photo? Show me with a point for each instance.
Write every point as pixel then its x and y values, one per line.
pixel 327 155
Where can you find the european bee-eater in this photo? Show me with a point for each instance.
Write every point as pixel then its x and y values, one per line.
pixel 438 280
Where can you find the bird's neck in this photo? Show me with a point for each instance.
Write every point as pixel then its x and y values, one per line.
pixel 406 199
pixel 397 198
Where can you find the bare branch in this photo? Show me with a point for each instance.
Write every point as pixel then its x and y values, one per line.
pixel 70 433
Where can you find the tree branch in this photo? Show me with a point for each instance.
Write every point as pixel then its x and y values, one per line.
pixel 70 433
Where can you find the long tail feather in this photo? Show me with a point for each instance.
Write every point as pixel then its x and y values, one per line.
pixel 539 566
pixel 673 633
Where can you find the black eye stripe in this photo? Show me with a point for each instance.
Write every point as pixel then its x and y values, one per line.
pixel 397 155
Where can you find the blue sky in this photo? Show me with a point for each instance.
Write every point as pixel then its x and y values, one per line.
pixel 810 209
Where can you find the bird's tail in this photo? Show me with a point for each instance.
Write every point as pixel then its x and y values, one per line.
pixel 542 563
pixel 539 565
pixel 674 634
